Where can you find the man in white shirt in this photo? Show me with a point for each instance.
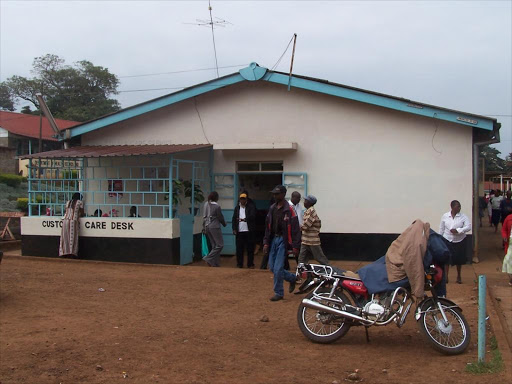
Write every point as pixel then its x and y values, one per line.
pixel 454 226
pixel 496 209
pixel 244 225
pixel 295 205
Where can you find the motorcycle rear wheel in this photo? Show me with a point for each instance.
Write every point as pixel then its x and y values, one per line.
pixel 319 326
pixel 451 339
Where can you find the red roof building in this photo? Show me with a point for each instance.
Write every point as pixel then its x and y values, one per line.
pixel 21 131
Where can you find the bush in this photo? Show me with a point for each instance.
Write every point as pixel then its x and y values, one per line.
pixel 22 204
pixel 11 180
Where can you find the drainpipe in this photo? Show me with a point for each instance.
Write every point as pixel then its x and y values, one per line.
pixel 476 217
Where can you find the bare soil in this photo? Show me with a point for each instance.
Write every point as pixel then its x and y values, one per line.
pixel 192 324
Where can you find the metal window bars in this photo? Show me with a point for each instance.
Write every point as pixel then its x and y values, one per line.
pixel 110 186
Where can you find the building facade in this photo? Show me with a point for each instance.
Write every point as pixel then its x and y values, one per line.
pixel 375 163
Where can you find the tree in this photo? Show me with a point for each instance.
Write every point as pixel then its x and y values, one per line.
pixel 508 164
pixel 492 161
pixel 6 101
pixel 79 92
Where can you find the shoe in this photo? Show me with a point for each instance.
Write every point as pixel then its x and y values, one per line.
pixel 251 267
pixel 292 286
pixel 276 298
pixel 459 281
pixel 475 260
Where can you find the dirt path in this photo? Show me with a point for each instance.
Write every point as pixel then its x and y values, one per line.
pixel 166 324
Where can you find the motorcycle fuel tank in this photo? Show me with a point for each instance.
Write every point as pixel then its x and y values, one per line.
pixel 356 287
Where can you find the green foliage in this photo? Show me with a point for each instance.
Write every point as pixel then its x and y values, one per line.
pixel 177 190
pixel 492 161
pixel 11 180
pixel 198 193
pixel 22 204
pixel 6 99
pixel 79 92
pixel 495 365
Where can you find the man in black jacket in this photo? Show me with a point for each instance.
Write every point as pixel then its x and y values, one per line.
pixel 244 226
pixel 282 233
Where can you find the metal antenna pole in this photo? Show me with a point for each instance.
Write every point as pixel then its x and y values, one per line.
pixel 213 37
pixel 291 64
pixel 210 23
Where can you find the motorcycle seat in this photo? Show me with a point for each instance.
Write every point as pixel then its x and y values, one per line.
pixel 343 273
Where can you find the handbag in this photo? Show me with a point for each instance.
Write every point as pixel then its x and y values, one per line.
pixel 204 246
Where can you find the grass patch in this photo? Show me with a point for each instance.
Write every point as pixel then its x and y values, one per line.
pixel 494 365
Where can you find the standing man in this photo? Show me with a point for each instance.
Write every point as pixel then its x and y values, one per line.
pixel 454 226
pixel 496 209
pixel 310 245
pixel 295 205
pixel 244 225
pixel 281 234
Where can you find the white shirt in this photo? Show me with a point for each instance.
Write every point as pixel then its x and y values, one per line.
pixel 299 211
pixel 242 225
pixel 496 202
pixel 460 222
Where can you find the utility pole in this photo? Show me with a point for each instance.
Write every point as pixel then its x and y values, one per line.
pixel 293 56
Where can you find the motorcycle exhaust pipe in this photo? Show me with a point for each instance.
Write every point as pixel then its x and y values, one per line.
pixel 324 308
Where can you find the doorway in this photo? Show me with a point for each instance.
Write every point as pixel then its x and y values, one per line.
pixel 258 187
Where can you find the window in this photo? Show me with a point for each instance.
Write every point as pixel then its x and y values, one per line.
pixel 267 166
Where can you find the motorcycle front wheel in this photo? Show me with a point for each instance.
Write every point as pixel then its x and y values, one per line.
pixel 322 327
pixel 451 338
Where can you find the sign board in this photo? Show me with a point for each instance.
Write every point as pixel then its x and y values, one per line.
pixel 104 227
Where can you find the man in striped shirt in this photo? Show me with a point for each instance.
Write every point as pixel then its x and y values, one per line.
pixel 310 245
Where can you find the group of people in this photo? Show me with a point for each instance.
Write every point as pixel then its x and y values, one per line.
pixel 454 226
pixel 499 207
pixel 288 230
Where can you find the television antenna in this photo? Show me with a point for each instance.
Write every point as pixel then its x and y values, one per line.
pixel 212 23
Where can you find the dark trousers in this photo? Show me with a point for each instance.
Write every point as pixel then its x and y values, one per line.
pixel 245 241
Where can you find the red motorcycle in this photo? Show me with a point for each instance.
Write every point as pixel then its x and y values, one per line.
pixel 340 300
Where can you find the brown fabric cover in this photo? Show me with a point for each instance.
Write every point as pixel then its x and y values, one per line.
pixel 404 257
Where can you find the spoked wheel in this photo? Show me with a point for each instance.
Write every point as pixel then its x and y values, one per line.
pixel 323 327
pixel 450 338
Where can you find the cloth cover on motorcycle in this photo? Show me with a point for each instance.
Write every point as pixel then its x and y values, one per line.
pixel 375 277
pixel 404 257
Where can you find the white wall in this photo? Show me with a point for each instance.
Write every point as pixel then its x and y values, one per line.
pixel 373 170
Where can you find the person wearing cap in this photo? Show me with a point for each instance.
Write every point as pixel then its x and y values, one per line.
pixel 282 233
pixel 244 226
pixel 310 241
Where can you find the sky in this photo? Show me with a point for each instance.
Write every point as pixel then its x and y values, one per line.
pixel 453 54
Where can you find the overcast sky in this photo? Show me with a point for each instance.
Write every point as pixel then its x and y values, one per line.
pixel 454 54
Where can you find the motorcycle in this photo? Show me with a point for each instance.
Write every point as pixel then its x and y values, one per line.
pixel 340 300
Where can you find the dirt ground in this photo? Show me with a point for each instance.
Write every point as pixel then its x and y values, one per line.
pixel 192 324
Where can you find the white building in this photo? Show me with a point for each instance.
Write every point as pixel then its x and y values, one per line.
pixel 375 162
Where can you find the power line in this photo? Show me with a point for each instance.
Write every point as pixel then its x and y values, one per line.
pixel 280 58
pixel 182 71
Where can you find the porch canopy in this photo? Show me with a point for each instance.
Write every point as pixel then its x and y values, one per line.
pixel 115 178
pixel 116 150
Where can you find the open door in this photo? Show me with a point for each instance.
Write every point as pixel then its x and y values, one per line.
pixel 226 186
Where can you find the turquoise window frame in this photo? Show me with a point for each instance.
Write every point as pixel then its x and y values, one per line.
pixel 52 182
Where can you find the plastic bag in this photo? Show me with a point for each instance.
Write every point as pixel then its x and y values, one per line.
pixel 204 246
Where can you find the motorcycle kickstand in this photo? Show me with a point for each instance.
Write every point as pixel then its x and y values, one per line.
pixel 367 334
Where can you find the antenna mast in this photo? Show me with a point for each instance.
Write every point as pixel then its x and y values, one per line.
pixel 210 23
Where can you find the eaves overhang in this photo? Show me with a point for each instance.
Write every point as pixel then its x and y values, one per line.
pixel 256 73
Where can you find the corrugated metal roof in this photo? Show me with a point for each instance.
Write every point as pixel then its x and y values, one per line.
pixel 28 125
pixel 116 150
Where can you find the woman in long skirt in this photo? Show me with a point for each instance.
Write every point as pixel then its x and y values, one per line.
pixel 212 220
pixel 69 233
